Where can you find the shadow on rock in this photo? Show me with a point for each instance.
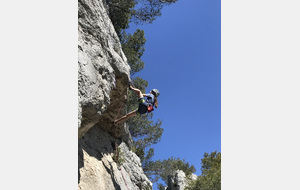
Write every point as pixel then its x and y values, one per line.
pixel 95 143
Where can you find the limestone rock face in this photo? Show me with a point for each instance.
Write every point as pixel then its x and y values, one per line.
pixel 103 78
pixel 97 170
pixel 179 181
pixel 103 72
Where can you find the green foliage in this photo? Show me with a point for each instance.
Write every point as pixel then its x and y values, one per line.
pixel 133 48
pixel 171 165
pixel 118 156
pixel 210 179
pixel 210 161
pixel 160 186
pixel 140 152
pixel 146 11
pixel 119 12
pixel 161 169
pixel 122 12
pixel 175 184
pixel 144 130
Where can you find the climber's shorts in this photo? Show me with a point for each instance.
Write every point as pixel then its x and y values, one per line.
pixel 142 107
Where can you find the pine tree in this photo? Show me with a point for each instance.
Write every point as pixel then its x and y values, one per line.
pixel 158 169
pixel 211 173
pixel 122 12
pixel 119 12
pixel 133 47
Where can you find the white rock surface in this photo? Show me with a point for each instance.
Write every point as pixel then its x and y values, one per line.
pixel 103 72
pixel 97 169
pixel 103 75
pixel 179 181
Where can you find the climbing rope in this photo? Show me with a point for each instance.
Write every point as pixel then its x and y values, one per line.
pixel 124 179
pixel 118 112
pixel 116 150
pixel 125 99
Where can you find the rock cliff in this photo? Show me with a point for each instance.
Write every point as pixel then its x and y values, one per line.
pixel 179 181
pixel 98 170
pixel 103 72
pixel 103 77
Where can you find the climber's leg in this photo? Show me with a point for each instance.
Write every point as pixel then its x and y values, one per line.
pixel 125 117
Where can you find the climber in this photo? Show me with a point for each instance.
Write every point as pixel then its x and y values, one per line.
pixel 144 105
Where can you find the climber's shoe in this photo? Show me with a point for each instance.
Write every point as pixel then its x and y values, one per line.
pixel 130 87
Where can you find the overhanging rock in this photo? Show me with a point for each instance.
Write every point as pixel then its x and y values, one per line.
pixel 103 72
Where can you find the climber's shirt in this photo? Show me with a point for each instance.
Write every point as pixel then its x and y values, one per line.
pixel 143 104
pixel 150 99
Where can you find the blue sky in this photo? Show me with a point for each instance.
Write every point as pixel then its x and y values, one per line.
pixel 183 60
pixel 260 89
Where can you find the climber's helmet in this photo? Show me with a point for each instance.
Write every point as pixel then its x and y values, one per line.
pixel 155 92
